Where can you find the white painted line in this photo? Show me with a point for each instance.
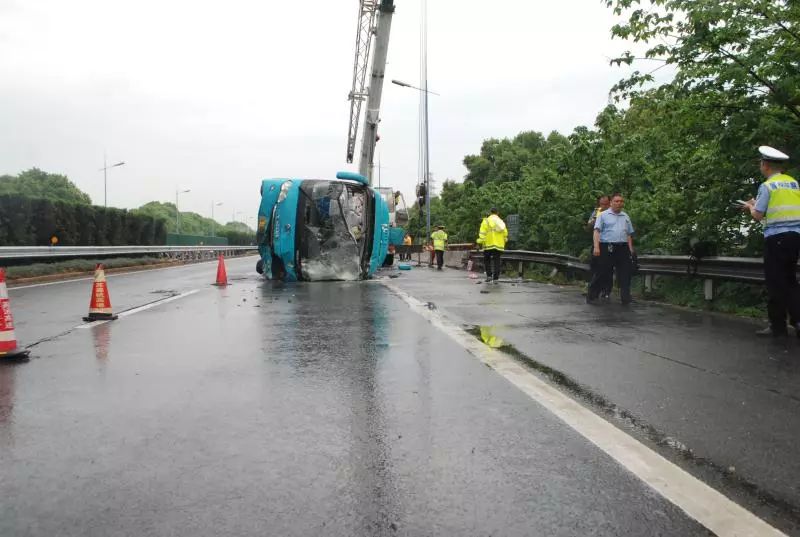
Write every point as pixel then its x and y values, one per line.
pixel 88 278
pixel 141 308
pixel 704 504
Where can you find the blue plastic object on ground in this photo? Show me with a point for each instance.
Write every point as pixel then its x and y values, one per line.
pixel 403 266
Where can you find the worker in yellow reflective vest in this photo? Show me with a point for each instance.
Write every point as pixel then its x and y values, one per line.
pixel 439 245
pixel 492 238
pixel 778 206
pixel 407 242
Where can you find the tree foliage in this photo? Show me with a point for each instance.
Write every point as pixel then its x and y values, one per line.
pixel 680 153
pixel 746 51
pixel 191 223
pixel 35 183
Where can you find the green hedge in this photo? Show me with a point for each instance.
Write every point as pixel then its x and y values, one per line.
pixel 238 238
pixel 32 221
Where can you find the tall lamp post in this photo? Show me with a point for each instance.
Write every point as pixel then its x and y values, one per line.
pixel 104 169
pixel 426 170
pixel 214 222
pixel 178 211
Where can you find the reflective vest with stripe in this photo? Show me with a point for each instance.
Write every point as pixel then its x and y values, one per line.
pixel 493 233
pixel 439 237
pixel 784 201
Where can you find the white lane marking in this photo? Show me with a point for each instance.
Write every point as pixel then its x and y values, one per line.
pixel 701 502
pixel 88 278
pixel 141 308
pixel 120 274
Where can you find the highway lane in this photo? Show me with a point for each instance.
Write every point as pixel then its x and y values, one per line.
pixel 700 388
pixel 46 310
pixel 265 408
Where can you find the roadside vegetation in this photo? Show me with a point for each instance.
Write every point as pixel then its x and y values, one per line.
pixel 680 152
pixel 36 206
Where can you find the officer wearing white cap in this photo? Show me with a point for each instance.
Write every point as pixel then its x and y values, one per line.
pixel 778 207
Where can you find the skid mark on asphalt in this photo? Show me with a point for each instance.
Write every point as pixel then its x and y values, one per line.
pixel 698 500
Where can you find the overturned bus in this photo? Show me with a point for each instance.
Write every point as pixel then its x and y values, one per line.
pixel 323 229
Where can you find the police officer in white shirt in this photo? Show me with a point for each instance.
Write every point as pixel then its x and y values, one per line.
pixel 613 244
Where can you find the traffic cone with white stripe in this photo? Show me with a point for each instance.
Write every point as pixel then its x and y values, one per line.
pixel 100 303
pixel 8 341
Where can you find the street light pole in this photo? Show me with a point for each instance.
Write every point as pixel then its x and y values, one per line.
pixel 178 211
pixel 426 172
pixel 104 169
pixel 213 222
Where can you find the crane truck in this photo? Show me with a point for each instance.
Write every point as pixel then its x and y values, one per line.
pixel 337 228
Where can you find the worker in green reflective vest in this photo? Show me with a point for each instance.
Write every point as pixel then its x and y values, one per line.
pixel 492 238
pixel 439 245
pixel 778 206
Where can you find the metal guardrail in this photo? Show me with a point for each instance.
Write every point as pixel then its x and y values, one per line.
pixel 22 253
pixel 741 269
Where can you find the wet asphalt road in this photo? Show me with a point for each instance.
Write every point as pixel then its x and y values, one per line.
pixel 272 409
pixel 699 387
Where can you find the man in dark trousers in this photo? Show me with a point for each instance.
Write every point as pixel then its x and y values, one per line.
pixel 603 203
pixel 439 238
pixel 778 207
pixel 613 244
pixel 492 237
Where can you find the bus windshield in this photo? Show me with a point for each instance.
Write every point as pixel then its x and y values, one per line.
pixel 332 226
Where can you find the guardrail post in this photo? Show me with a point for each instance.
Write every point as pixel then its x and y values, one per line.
pixel 708 289
pixel 648 282
pixel 521 269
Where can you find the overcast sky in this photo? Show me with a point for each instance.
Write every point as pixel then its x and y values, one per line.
pixel 215 96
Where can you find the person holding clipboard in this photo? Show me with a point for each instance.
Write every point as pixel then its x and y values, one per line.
pixel 778 207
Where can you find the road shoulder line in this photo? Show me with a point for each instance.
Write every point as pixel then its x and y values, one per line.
pixel 704 504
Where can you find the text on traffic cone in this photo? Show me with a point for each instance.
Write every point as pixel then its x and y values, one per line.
pixel 100 301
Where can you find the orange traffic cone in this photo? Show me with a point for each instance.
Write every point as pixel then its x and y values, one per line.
pixel 222 275
pixel 8 341
pixel 100 303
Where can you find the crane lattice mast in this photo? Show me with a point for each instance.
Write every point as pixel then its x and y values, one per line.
pixel 375 19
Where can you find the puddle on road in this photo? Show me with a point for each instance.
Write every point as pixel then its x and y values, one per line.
pixel 624 418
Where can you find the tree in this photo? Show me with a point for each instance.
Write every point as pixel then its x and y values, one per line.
pixel 746 50
pixel 35 183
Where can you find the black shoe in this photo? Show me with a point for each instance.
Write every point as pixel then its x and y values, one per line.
pixel 591 301
pixel 488 279
pixel 768 332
